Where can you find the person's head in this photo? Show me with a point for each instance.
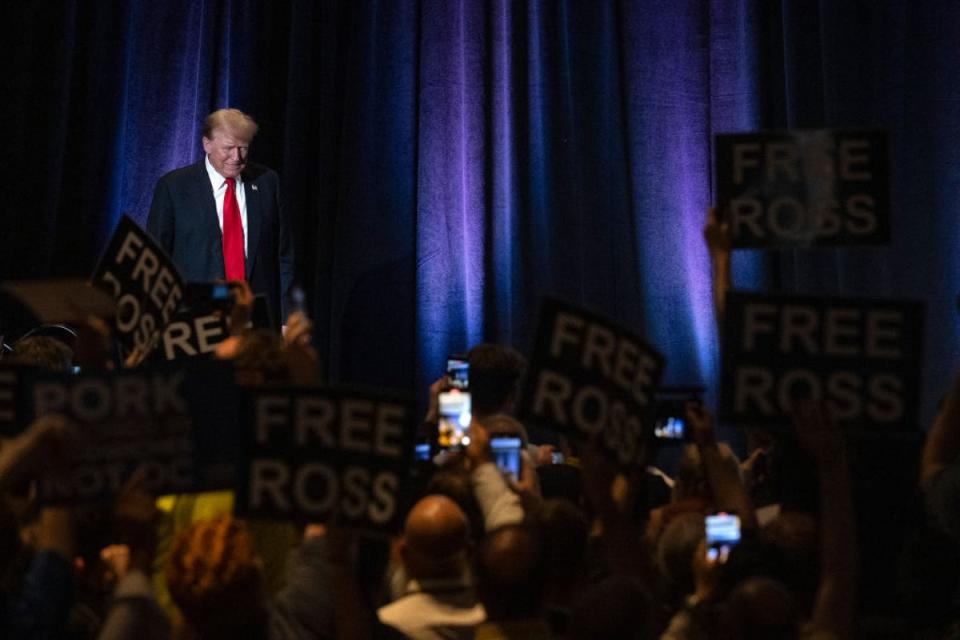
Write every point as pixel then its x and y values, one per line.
pixel 43 352
pixel 510 573
pixel 759 608
pixel 495 372
pixel 617 608
pixel 794 535
pixel 227 134
pixel 675 548
pixel 257 355
pixel 501 424
pixel 455 484
pixel 564 532
pixel 436 539
pixel 214 576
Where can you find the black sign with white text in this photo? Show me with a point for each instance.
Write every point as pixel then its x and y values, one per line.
pixel 804 188
pixel 863 356
pixel 176 426
pixel 589 376
pixel 315 454
pixel 144 282
pixel 189 335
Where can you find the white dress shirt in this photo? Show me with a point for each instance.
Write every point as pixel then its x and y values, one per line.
pixel 219 185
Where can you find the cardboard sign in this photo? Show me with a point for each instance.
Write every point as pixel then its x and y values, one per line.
pixel 315 454
pixel 804 188
pixel 189 335
pixel 589 376
pixel 863 356
pixel 177 426
pixel 144 282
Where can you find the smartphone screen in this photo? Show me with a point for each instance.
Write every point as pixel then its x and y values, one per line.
pixel 454 424
pixel 506 453
pixel 722 535
pixel 669 428
pixel 458 372
pixel 421 451
pixel 220 291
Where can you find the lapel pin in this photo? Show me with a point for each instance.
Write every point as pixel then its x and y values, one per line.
pixel 253 187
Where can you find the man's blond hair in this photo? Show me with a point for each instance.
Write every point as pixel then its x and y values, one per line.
pixel 233 121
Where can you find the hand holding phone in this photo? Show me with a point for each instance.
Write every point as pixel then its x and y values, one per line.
pixel 453 426
pixel 506 454
pixel 671 417
pixel 722 535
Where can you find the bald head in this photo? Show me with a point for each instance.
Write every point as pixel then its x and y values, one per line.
pixel 435 537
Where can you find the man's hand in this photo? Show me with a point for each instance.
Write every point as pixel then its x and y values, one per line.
pixel 135 514
pixel 719 245
pixel 717 236
pixel 818 432
pixel 297 330
pixel 242 311
pixel 478 451
pixel 701 424
pixel 116 558
pixel 301 358
pixel 433 401
pixel 706 573
pixel 136 357
pixel 527 486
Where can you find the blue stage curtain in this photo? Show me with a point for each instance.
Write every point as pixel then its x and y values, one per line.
pixel 449 163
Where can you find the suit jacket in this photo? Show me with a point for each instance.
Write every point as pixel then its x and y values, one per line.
pixel 183 219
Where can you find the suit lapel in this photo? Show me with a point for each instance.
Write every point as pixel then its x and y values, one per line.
pixel 254 222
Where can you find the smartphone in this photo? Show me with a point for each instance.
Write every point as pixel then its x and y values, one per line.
pixel 205 291
pixel 421 452
pixel 458 372
pixel 453 428
pixel 297 300
pixel 203 296
pixel 670 412
pixel 670 427
pixel 722 535
pixel 506 453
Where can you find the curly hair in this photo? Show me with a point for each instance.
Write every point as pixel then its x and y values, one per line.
pixel 214 575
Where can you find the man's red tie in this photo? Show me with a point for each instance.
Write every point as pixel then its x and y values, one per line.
pixel 233 266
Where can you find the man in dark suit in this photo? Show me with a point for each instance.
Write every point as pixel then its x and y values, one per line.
pixel 221 217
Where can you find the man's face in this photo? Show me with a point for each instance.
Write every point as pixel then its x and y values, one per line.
pixel 227 154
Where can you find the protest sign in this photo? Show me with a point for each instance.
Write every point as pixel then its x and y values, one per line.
pixel 144 282
pixel 804 188
pixel 189 335
pixel 315 454
pixel 863 356
pixel 177 426
pixel 589 376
